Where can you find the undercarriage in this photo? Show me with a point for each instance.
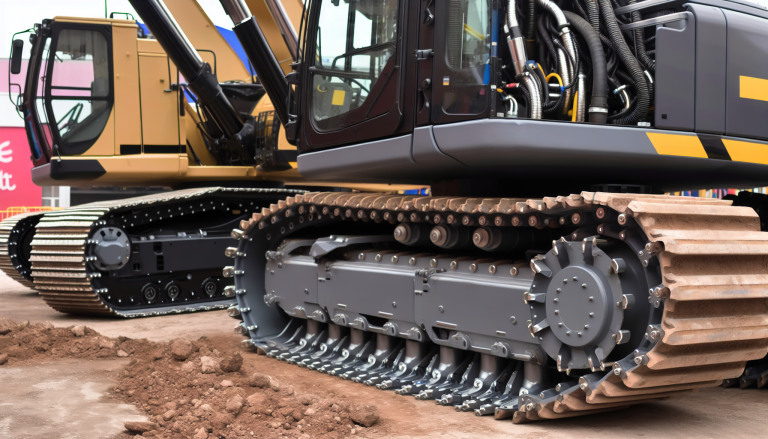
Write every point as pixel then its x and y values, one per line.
pixel 143 256
pixel 530 309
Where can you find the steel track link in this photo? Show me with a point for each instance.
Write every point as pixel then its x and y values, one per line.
pixel 713 294
pixel 63 272
pixel 11 231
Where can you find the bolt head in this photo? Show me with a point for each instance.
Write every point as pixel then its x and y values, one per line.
pixel 433 263
pixel 412 261
pixel 394 304
pixel 454 265
pixel 440 308
pixel 377 258
pixel 395 259
pixel 513 271
pixel 473 268
pixel 492 269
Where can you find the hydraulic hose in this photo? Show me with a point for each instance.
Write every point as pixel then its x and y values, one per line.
pixel 544 88
pixel 534 102
pixel 598 104
pixel 515 39
pixel 530 24
pixel 642 56
pixel 593 12
pixel 580 96
pixel 565 34
pixel 643 101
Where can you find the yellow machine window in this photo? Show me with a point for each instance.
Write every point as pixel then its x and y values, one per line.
pixel 79 93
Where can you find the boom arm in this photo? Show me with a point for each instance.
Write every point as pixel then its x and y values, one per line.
pixel 236 133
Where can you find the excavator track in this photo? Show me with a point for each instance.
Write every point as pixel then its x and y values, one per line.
pixel 15 236
pixel 699 266
pixel 117 257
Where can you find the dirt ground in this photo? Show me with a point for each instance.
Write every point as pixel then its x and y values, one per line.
pixel 32 396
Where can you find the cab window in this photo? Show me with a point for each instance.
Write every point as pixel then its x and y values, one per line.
pixel 79 95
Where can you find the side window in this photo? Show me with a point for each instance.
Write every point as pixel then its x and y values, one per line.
pixel 79 93
pixel 355 51
pixel 464 73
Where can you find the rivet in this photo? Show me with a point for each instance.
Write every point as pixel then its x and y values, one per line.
pixel 440 308
pixel 395 259
pixel 555 299
pixel 492 269
pixel 575 278
pixel 592 314
pixel 433 263
pixel 454 265
pixel 412 261
pixel 394 304
pixel 513 320
pixel 361 256
pixel 583 285
pixel 558 290
pixel 557 311
pixel 586 326
pixel 560 324
pixel 591 298
pixel 579 334
pixel 377 258
pixel 513 271
pixel 473 268
pixel 568 333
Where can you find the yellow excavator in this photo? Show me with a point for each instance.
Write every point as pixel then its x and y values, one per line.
pixel 131 120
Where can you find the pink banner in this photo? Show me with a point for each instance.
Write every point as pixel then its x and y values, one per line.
pixel 16 187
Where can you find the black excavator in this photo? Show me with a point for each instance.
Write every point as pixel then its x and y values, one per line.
pixel 547 275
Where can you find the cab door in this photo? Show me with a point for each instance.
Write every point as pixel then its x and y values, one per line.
pixel 354 74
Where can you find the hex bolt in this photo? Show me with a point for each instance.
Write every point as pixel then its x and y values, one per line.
pixel 623 219
pixel 440 308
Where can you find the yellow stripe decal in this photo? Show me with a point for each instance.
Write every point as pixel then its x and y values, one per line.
pixel 753 88
pixel 675 144
pixel 747 151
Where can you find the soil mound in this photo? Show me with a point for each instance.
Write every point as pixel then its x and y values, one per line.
pixel 191 389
